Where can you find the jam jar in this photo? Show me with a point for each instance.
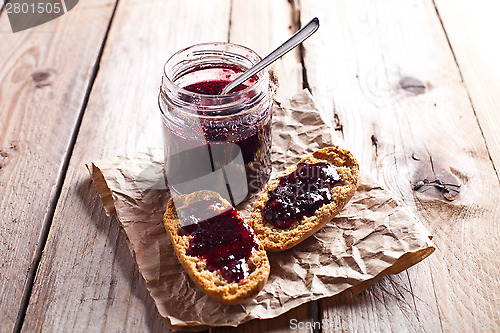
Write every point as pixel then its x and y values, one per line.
pixel 213 141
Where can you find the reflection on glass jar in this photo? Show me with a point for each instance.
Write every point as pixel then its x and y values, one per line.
pixel 212 141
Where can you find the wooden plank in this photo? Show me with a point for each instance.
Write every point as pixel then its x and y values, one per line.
pixel 296 320
pixel 262 26
pixel 87 280
pixel 472 29
pixel 385 72
pixel 44 77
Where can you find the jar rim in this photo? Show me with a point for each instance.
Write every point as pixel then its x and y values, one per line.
pixel 171 83
pixel 179 64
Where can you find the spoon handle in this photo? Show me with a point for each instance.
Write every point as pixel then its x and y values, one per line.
pixel 292 42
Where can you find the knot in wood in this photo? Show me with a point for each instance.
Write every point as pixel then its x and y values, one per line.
pixel 448 191
pixel 40 76
pixel 412 85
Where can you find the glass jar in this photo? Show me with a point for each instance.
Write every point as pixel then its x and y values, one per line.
pixel 211 141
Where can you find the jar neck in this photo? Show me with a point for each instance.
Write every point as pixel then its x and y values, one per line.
pixel 211 62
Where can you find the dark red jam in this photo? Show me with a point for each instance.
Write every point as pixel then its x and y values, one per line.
pixel 301 193
pixel 212 87
pixel 224 240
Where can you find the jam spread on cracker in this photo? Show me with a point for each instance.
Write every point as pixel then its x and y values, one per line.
pixel 223 240
pixel 301 193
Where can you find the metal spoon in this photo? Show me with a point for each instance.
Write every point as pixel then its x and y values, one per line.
pixel 295 40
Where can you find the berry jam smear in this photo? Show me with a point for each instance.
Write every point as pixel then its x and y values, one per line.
pixel 224 240
pixel 301 193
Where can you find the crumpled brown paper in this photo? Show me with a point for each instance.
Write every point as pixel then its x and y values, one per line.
pixel 374 235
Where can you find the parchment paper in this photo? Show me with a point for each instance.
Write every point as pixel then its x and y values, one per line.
pixel 374 235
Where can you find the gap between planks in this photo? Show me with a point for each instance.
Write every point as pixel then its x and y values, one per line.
pixel 309 313
pixel 230 22
pixel 316 311
pixel 298 23
pixel 42 240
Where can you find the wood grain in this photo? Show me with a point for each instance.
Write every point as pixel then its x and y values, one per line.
pixel 471 27
pixel 297 320
pixel 87 280
pixel 385 71
pixel 44 77
pixel 263 26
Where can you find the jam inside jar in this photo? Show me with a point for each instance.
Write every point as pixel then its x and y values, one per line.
pixel 212 141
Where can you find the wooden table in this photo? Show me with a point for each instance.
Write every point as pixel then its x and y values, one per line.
pixel 412 86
